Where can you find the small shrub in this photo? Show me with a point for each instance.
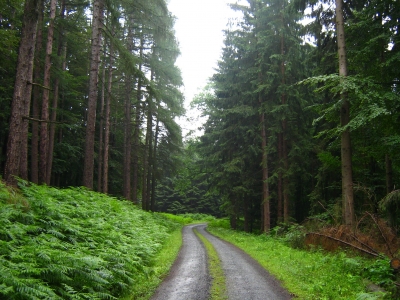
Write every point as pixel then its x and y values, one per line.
pixel 221 223
pixel 380 272
pixel 292 235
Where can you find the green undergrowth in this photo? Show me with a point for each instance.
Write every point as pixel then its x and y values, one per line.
pixel 218 287
pixel 78 244
pixel 309 274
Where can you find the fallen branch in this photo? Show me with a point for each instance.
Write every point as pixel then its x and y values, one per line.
pixel 346 243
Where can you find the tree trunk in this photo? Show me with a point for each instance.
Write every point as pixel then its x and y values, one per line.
pixel 145 204
pixel 128 122
pixel 389 174
pixel 22 91
pixel 36 101
pixel 285 187
pixel 136 141
pixel 153 176
pixel 347 175
pixel 107 123
pixel 92 101
pixel 280 176
pixel 61 53
pixel 150 163
pixel 265 194
pixel 44 135
pixel 101 134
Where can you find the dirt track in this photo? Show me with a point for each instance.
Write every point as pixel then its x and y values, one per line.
pixel 189 278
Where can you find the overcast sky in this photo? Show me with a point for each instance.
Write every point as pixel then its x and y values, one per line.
pixel 199 29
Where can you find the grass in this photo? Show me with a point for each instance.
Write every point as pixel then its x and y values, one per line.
pixel 218 286
pixel 307 274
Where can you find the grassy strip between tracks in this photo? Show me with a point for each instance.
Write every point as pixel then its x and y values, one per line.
pixel 218 287
pixel 307 274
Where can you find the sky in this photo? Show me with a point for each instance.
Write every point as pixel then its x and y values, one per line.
pixel 199 29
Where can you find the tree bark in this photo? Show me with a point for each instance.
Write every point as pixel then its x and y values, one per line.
pixel 146 155
pixel 347 174
pixel 20 104
pixel 128 122
pixel 101 134
pixel 97 21
pixel 107 123
pixel 61 53
pixel 389 174
pixel 44 135
pixel 136 141
pixel 36 100
pixel 265 193
pixel 153 176
pixel 280 180
pixel 285 187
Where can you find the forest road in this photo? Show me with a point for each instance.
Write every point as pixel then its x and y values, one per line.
pixel 189 278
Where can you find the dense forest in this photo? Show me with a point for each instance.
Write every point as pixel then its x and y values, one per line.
pixel 301 113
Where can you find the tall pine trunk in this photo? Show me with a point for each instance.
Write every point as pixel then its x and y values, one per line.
pixel 61 53
pixel 154 173
pixel 20 104
pixel 285 182
pixel 107 123
pixel 128 122
pixel 347 174
pixel 136 132
pixel 36 101
pixel 389 174
pixel 265 187
pixel 280 178
pixel 101 134
pixel 97 21
pixel 44 135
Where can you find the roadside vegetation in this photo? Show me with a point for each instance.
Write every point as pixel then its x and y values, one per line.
pixel 314 273
pixel 78 244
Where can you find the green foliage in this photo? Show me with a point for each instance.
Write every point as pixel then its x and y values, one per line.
pixel 199 217
pixel 292 235
pixel 312 274
pixel 75 244
pixel 221 223
pixel 380 272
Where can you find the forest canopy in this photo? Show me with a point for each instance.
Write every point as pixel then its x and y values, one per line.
pixel 301 114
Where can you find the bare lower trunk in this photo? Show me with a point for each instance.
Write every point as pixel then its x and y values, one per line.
pixel 22 91
pixel 153 176
pixel 36 101
pixel 136 141
pixel 44 135
pixel 347 174
pixel 265 195
pixel 61 53
pixel 150 164
pixel 145 204
pixel 101 134
pixel 280 180
pixel 97 21
pixel 107 125
pixel 389 174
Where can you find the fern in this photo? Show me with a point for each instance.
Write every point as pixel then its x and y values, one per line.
pixel 74 244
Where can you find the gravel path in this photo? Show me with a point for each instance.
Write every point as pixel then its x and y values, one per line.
pixel 189 278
